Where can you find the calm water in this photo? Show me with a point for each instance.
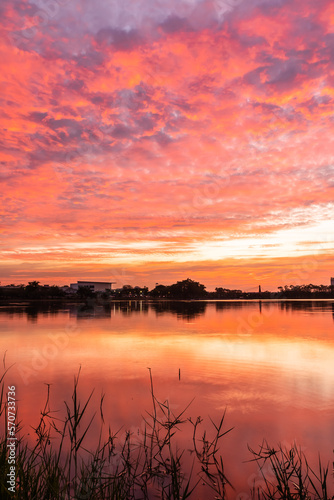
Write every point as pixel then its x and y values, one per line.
pixel 269 364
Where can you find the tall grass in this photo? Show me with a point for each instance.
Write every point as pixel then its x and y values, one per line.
pixel 286 474
pixel 60 466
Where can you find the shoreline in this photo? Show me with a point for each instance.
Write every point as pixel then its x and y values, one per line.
pixel 96 300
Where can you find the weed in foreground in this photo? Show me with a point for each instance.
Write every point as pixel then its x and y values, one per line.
pixel 287 475
pixel 59 466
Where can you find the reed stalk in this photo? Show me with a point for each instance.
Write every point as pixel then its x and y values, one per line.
pixel 58 465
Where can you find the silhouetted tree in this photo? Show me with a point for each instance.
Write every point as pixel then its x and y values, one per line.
pixel 187 289
pixel 85 293
pixel 225 293
pixel 33 290
pixel 160 292
pixel 305 291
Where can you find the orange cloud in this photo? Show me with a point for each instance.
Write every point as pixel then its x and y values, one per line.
pixel 160 143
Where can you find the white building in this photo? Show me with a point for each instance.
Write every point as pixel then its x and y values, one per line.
pixel 94 286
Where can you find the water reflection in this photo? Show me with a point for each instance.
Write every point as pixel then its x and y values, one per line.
pixel 306 305
pixel 90 311
pixel 186 310
pixel 269 362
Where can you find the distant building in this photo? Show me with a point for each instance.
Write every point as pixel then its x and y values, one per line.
pixel 332 281
pixel 94 286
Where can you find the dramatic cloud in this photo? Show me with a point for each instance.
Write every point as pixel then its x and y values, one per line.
pixel 159 138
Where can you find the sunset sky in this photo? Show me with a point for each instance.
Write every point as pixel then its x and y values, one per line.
pixel 148 141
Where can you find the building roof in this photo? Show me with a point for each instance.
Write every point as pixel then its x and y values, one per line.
pixel 97 282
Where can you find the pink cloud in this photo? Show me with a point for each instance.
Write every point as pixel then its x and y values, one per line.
pixel 171 125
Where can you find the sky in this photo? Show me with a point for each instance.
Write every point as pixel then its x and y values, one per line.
pixel 148 141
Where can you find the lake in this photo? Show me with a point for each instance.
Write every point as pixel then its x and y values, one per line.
pixel 269 364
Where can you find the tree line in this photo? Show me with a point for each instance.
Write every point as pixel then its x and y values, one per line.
pixel 187 289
